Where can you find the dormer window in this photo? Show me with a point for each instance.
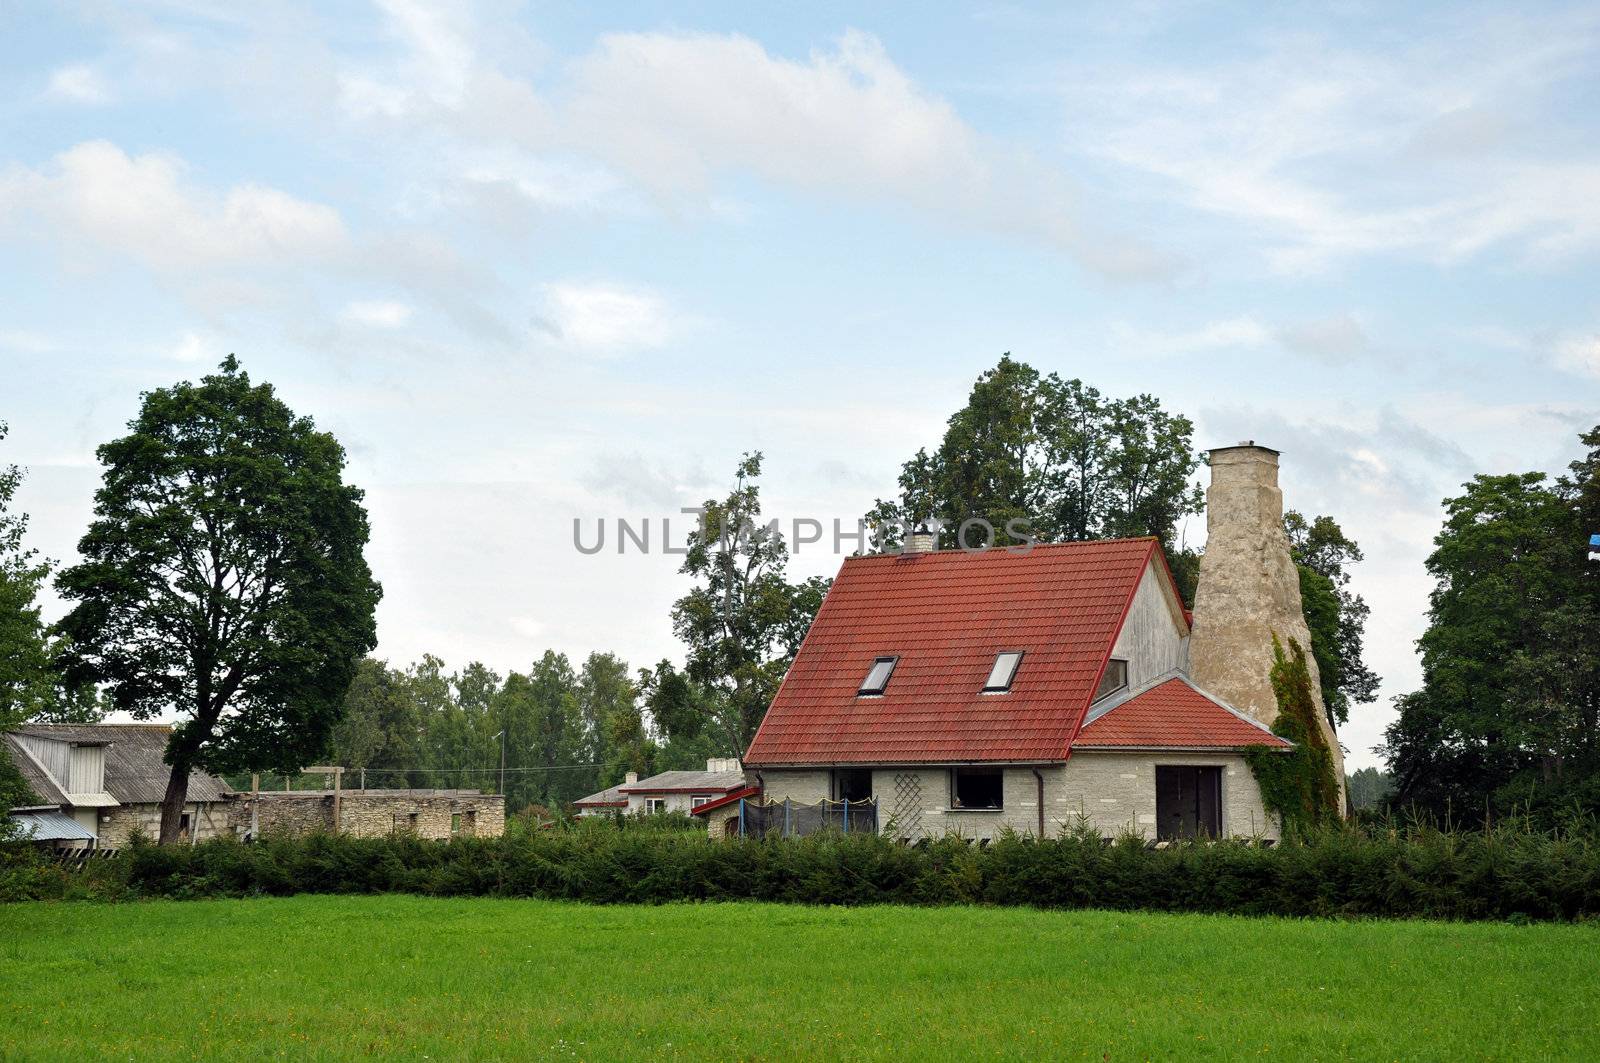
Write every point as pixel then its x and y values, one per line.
pixel 1004 670
pixel 877 676
pixel 1115 678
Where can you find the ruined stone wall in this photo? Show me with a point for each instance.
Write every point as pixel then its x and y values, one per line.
pixel 1249 591
pixel 438 815
pixel 117 826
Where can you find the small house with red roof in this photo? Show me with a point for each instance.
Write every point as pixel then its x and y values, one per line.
pixel 1031 689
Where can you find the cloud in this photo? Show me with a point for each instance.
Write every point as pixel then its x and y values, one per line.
pixel 1243 331
pixel 383 314
pixel 191 347
pixel 1579 355
pixel 1333 339
pixel 79 83
pixel 1420 146
pixel 94 199
pixel 605 318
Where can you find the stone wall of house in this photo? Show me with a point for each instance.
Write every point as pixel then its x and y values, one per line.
pixel 1116 792
pixel 378 813
pixel 118 825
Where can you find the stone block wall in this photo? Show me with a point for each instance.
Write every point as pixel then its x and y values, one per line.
pixel 434 814
pixel 1116 792
pixel 118 825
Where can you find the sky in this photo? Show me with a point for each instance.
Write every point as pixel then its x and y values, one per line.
pixel 538 263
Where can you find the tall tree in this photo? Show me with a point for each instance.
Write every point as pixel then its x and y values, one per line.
pixel 743 621
pixel 611 729
pixel 1058 457
pixel 1508 715
pixel 1335 614
pixel 27 680
pixel 223 580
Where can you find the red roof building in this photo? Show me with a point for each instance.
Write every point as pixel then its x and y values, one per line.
pixel 974 691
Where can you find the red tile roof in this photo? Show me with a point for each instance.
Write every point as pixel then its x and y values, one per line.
pixel 725 799
pixel 1174 715
pixel 945 615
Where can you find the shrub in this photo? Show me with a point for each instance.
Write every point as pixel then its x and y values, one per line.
pixel 1383 870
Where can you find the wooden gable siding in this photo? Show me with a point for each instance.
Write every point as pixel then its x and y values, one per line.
pixel 1152 640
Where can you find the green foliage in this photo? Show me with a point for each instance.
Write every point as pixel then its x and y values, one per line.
pixel 1386 871
pixel 1369 789
pixel 27 680
pixel 1057 456
pixel 1508 716
pixel 222 579
pixel 1335 615
pixel 742 623
pixel 1298 785
pixel 14 791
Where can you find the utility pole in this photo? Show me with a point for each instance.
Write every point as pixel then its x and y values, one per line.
pixel 502 737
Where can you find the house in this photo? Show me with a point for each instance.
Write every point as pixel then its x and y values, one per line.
pixel 1035 689
pixel 438 815
pixel 108 780
pixel 670 791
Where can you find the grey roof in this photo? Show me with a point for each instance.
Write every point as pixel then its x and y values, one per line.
pixel 51 825
pixel 678 781
pixel 611 795
pixel 136 774
pixel 39 781
pixel 349 794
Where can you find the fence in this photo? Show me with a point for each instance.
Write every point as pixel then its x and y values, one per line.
pixel 790 820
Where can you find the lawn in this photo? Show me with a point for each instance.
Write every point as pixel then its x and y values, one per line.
pixel 406 977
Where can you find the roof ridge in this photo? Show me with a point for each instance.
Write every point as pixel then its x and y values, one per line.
pixel 1016 551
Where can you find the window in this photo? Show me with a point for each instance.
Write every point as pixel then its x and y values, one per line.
pixel 699 799
pixel 877 676
pixel 977 788
pixel 469 822
pixel 455 823
pixel 1115 679
pixel 655 804
pixel 852 784
pixel 1188 802
pixel 1004 670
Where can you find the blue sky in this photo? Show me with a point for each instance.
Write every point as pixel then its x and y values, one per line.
pixel 535 263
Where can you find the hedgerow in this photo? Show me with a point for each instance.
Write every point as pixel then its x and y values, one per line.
pixel 1342 872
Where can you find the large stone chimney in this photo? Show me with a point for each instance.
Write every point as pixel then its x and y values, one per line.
pixel 1249 590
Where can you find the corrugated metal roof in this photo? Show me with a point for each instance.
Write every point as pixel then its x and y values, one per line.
pixel 50 825
pixel 34 774
pixel 945 615
pixel 1174 714
pixel 135 771
pixel 700 782
pixel 610 797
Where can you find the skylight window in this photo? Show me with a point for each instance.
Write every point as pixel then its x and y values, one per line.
pixel 877 676
pixel 1005 669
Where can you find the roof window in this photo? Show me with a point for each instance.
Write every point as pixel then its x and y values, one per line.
pixel 1004 670
pixel 877 676
pixel 1114 679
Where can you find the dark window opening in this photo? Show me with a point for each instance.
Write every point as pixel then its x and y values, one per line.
pixel 1004 670
pixel 1188 802
pixel 1115 679
pixel 977 788
pixel 878 676
pixel 852 784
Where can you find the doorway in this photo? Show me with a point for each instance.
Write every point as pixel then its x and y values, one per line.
pixel 1188 802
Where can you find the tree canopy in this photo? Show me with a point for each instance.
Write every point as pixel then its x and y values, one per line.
pixel 1508 716
pixel 223 579
pixel 1059 458
pixel 1335 615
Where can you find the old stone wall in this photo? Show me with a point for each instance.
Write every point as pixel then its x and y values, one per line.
pixel 118 825
pixel 435 814
pixel 1116 792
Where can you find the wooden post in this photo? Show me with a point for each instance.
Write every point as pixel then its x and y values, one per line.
pixel 255 805
pixel 338 781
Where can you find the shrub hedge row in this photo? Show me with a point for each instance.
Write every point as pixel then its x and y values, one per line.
pixel 1348 872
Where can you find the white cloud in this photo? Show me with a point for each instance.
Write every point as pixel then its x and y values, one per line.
pixel 79 83
pixel 385 314
pixel 1223 334
pixel 606 318
pixel 96 200
pixel 191 347
pixel 1416 147
pixel 1579 355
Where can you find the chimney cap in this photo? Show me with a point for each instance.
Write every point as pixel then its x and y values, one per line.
pixel 1243 444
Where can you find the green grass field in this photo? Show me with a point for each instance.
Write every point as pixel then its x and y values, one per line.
pixel 414 978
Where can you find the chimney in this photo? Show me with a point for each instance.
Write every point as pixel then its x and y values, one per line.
pixel 630 778
pixel 922 540
pixel 1249 590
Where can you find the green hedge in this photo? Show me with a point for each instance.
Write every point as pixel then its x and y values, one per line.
pixel 1343 872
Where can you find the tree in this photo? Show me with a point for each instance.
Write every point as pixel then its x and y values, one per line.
pixel 1299 785
pixel 223 580
pixel 612 729
pixel 1369 789
pixel 1508 716
pixel 1057 457
pixel 743 622
pixel 27 680
pixel 1335 615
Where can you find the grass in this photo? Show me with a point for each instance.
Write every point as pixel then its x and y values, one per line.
pixel 320 977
